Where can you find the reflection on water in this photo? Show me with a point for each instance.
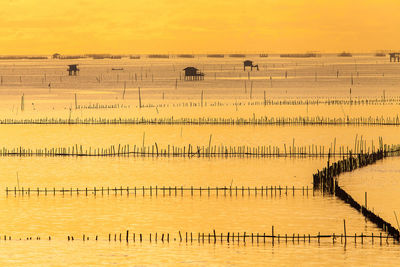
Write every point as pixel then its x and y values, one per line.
pixel 59 216
pixel 227 91
pixel 102 136
pixel 62 216
pixel 49 91
pixel 103 253
pixel 381 183
pixel 115 172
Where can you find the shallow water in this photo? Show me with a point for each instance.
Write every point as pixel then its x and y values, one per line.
pixel 336 138
pixel 102 253
pixel 60 216
pixel 101 215
pixel 46 85
pixel 123 171
pixel 227 92
pixel 381 183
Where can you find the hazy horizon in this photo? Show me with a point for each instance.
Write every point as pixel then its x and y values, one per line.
pixel 135 27
pixel 210 53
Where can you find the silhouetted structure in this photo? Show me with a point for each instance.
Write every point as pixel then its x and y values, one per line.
pixel 193 74
pixel 249 63
pixel 56 56
pixel 73 69
pixel 394 56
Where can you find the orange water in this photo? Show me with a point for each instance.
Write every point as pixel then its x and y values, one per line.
pixel 226 92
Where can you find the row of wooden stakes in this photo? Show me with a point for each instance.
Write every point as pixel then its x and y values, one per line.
pixel 327 180
pixel 197 151
pixel 278 102
pixel 164 190
pixel 263 120
pixel 327 177
pixel 229 237
pixel 369 214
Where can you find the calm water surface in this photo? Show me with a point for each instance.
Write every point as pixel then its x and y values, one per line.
pixel 103 136
pixel 381 182
pixel 228 92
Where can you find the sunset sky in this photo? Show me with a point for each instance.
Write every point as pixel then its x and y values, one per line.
pixel 197 26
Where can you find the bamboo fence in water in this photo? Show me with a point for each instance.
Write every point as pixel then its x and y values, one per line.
pixel 229 237
pixel 203 151
pixel 263 120
pixel 327 180
pixel 164 191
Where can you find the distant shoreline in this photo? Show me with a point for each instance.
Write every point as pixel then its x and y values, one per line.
pixel 183 55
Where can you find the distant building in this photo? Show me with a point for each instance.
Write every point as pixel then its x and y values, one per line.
pixel 193 74
pixel 394 56
pixel 249 63
pixel 73 69
pixel 56 56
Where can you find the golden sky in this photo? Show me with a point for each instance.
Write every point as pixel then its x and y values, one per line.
pixel 197 26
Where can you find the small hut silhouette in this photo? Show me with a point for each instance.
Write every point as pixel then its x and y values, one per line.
pixel 73 69
pixel 394 56
pixel 56 56
pixel 249 63
pixel 193 74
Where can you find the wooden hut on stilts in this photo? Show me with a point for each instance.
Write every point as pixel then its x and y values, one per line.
pixel 193 74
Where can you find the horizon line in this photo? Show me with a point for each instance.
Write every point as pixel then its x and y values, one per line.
pixel 207 53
